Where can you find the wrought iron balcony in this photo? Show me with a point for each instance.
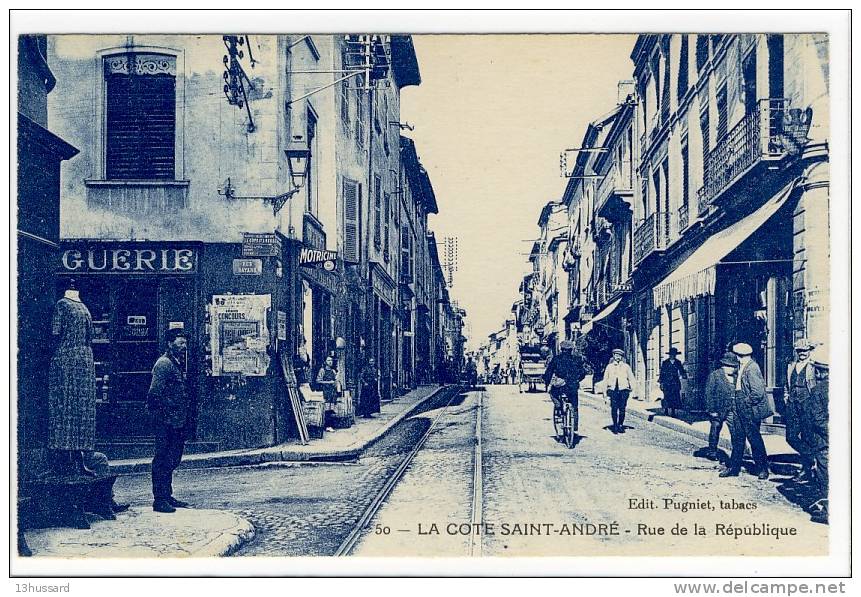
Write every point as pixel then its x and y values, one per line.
pixel 609 290
pixel 615 193
pixel 768 134
pixel 684 217
pixel 651 236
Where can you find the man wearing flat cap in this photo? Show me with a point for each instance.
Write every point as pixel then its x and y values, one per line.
pixel 619 383
pixel 567 367
pixel 800 382
pixel 720 389
pixel 749 408
pixel 168 402
pixel 670 378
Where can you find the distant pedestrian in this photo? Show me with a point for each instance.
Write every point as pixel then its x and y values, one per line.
pixel 369 390
pixel 168 402
pixel 719 393
pixel 327 380
pixel 619 384
pixel 749 408
pixel 471 373
pixel 800 382
pixel 670 378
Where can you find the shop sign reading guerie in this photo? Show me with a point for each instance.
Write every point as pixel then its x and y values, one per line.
pixel 130 258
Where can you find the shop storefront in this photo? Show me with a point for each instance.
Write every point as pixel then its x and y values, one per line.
pixel 135 292
pixel 230 301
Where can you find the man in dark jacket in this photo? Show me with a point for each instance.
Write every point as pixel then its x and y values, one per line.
pixel 568 366
pixel 720 388
pixel 749 408
pixel 816 424
pixel 670 378
pixel 800 382
pixel 167 400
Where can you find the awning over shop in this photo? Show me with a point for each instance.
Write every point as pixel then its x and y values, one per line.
pixel 696 275
pixel 587 327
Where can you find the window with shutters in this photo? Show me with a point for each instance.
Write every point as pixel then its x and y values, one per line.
pixel 686 178
pixel 140 116
pixel 683 68
pixel 311 178
pixel 406 255
pixel 702 51
pixel 360 115
pixel 345 92
pixel 386 221
pixel 704 129
pixel 352 196
pixel 722 113
pixel 377 209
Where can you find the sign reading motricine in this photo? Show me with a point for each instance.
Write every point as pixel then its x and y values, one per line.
pixel 314 257
pixel 126 260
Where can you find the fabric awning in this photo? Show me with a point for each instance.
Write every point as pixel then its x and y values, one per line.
pixel 601 315
pixel 696 275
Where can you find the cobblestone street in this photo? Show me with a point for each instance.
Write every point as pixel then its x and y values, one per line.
pixel 610 495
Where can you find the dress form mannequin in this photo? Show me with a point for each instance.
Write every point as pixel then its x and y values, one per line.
pixel 72 383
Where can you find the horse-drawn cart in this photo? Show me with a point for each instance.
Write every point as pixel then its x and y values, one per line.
pixel 533 364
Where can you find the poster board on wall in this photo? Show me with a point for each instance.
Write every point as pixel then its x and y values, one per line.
pixel 240 334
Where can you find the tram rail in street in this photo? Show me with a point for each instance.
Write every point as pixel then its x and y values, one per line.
pixel 352 539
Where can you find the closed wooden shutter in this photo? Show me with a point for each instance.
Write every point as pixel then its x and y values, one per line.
pixel 386 220
pixel 140 126
pixel 352 196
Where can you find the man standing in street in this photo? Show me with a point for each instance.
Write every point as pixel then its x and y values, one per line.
pixel 168 402
pixel 670 378
pixel 567 366
pixel 720 389
pixel 800 382
pixel 749 408
pixel 619 384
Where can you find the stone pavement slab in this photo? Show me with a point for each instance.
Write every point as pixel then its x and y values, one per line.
pixel 142 533
pixel 649 410
pixel 340 444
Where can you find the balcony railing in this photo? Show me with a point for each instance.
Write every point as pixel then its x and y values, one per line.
pixel 684 217
pixel 770 132
pixel 650 236
pixel 609 290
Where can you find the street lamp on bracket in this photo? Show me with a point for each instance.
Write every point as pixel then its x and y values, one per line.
pixel 298 158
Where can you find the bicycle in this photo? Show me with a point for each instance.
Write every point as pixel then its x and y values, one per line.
pixel 563 423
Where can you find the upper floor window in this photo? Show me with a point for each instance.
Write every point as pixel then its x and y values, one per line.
pixel 683 68
pixel 312 169
pixel 702 51
pixel 140 116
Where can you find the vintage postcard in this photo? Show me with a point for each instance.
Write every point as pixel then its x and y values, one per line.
pixel 463 295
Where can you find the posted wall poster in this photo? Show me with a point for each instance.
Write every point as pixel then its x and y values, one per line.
pixel 240 334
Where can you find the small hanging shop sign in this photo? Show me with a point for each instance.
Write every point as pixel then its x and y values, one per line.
pixel 260 244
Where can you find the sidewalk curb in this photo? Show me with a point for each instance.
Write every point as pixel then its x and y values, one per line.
pixel 239 536
pixel 250 457
pixel 663 421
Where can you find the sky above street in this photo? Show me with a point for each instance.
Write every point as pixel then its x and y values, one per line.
pixel 491 116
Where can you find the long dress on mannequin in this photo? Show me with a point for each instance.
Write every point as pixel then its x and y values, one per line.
pixel 72 378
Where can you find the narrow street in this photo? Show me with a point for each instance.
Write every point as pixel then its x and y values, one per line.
pixel 610 495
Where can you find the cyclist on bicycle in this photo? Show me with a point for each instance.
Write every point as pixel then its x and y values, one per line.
pixel 563 376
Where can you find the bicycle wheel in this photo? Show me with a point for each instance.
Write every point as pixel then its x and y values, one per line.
pixel 557 422
pixel 568 426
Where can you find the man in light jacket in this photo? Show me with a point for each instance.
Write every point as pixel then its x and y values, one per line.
pixel 619 383
pixel 749 408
